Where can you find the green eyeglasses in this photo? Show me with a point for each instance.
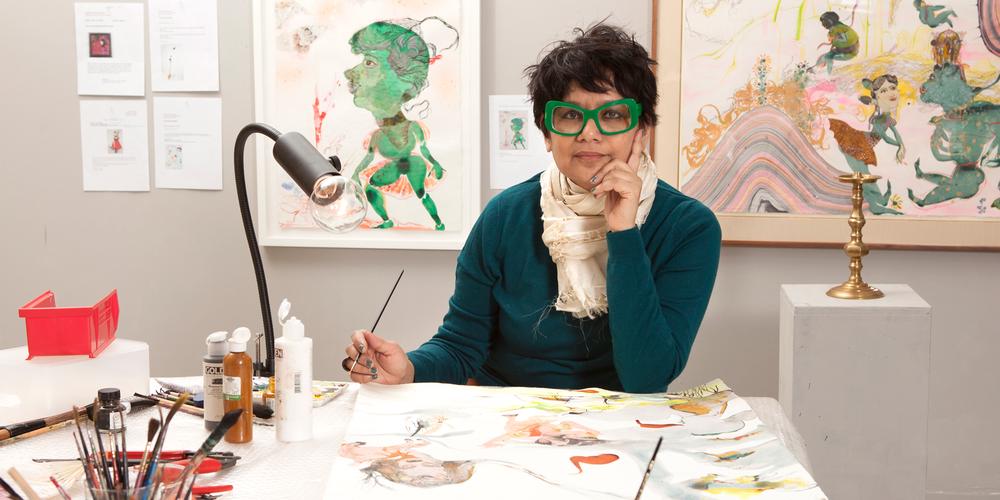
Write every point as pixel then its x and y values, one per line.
pixel 615 117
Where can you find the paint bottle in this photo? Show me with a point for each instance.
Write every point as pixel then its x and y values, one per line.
pixel 293 383
pixel 212 373
pixel 237 386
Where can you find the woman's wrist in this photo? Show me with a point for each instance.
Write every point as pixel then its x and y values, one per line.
pixel 620 228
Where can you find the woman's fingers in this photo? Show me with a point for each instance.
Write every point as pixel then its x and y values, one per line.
pixel 633 157
pixel 607 169
pixel 621 181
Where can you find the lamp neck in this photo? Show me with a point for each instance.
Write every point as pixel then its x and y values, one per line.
pixel 264 367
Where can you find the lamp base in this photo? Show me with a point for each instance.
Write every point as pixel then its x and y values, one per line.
pixel 855 291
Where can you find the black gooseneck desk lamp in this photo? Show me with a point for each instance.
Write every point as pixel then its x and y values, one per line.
pixel 335 203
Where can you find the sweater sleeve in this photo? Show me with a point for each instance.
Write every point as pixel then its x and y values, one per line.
pixel 656 306
pixel 462 342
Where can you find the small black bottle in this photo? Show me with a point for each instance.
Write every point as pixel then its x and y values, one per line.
pixel 111 412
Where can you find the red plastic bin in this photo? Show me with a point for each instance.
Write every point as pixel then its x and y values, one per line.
pixel 62 331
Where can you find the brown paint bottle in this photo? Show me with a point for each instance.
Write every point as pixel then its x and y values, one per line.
pixel 237 386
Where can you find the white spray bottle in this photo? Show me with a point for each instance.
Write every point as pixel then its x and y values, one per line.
pixel 293 379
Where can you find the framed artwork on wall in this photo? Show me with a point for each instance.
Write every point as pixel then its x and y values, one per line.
pixel 392 89
pixel 766 103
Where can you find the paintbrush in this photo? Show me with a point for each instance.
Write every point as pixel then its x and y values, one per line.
pixel 124 454
pixel 154 425
pixel 227 421
pixel 88 471
pixel 163 430
pixel 59 488
pixel 10 490
pixel 379 318
pixel 23 483
pixel 35 427
pixel 649 468
pixel 82 449
pixel 100 446
pixel 169 402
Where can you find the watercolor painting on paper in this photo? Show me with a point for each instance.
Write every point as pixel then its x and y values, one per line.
pixel 444 441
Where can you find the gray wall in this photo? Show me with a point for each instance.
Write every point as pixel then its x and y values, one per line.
pixel 180 263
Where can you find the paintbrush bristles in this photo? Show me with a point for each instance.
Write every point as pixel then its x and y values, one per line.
pixel 228 420
pixel 154 425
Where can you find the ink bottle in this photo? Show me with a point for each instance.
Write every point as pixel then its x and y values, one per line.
pixel 111 411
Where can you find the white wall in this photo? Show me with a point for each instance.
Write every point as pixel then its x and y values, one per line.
pixel 180 263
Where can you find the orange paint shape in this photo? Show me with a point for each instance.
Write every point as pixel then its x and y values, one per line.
pixel 654 426
pixel 693 408
pixel 604 459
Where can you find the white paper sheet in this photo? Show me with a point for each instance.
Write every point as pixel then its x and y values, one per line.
pixel 115 145
pixel 187 138
pixel 184 45
pixel 110 49
pixel 517 147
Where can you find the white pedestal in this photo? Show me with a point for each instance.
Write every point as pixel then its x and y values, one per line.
pixel 47 385
pixel 853 378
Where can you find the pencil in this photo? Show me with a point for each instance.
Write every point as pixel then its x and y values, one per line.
pixel 649 468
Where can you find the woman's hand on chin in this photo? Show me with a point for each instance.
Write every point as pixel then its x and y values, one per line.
pixel 618 181
pixel 377 360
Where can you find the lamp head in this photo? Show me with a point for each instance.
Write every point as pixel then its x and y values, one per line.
pixel 337 204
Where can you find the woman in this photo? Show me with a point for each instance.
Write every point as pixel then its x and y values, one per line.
pixel 393 71
pixel 593 273
pixel 859 147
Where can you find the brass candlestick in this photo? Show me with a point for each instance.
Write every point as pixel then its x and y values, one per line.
pixel 855 287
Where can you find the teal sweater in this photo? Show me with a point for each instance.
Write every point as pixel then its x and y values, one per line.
pixel 501 329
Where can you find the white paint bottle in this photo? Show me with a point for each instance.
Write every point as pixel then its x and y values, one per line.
pixel 293 383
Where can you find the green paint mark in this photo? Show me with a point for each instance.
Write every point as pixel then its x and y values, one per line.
pixel 777 6
pixel 798 28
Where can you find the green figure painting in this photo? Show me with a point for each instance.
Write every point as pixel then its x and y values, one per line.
pixel 516 125
pixel 393 72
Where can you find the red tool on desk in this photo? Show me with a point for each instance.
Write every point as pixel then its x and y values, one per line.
pixel 214 462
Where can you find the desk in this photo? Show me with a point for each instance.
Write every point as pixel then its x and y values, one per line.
pixel 272 470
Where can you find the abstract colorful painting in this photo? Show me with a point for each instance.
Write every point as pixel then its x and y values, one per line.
pixel 391 88
pixel 804 90
pixel 444 441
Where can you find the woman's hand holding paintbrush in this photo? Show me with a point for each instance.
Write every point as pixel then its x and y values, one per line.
pixel 373 358
pixel 385 360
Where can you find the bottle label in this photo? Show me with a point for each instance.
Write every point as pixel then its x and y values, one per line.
pixel 298 383
pixel 115 421
pixel 213 380
pixel 231 388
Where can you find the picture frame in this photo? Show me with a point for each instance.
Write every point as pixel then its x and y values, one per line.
pixel 798 230
pixel 312 77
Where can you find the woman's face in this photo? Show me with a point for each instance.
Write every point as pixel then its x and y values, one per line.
pixel 887 96
pixel 582 156
pixel 376 86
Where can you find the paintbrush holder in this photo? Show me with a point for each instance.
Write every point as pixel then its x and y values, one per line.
pixel 53 384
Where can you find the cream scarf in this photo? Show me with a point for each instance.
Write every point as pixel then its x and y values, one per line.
pixel 575 232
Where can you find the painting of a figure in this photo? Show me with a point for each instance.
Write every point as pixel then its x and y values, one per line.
pixel 386 88
pixel 810 89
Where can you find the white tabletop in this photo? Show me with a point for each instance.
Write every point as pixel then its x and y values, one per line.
pixel 270 469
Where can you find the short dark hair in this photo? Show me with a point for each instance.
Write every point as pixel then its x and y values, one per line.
pixel 600 58
pixel 829 19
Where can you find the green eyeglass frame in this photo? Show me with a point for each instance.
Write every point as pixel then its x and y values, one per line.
pixel 634 109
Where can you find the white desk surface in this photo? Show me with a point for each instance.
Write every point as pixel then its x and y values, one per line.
pixel 269 469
